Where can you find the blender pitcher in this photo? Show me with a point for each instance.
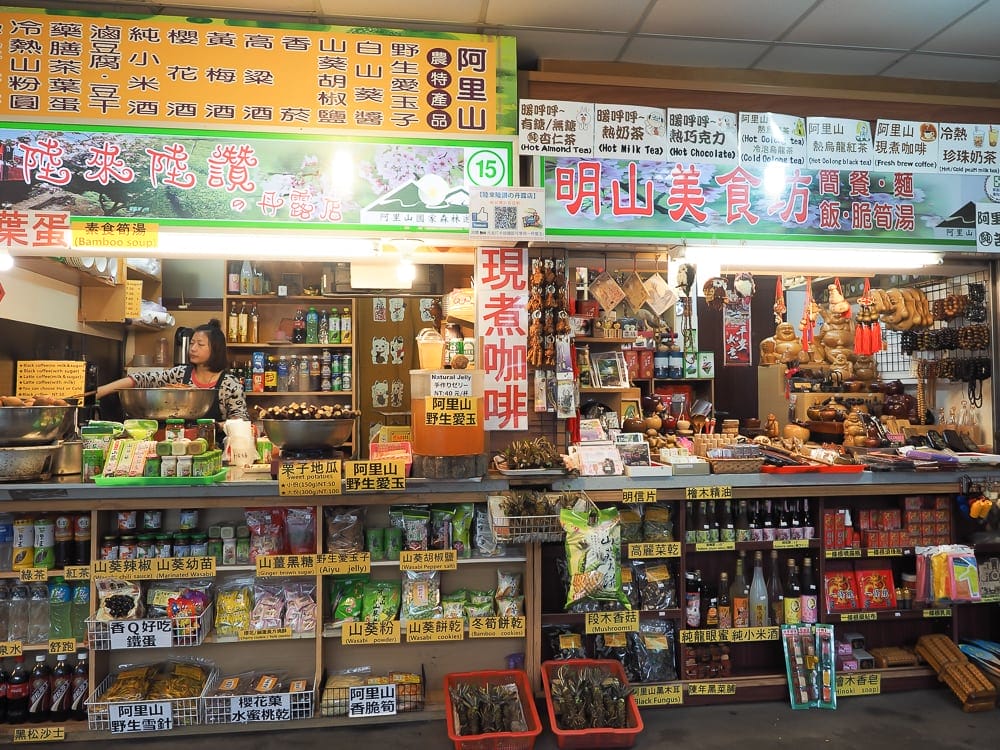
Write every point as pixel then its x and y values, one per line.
pixel 430 349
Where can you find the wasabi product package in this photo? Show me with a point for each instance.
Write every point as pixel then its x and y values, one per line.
pixel 593 554
pixel 346 595
pixel 380 602
pixel 421 597
pixel 461 526
pixel 416 529
pixel 453 604
pixel 484 539
pixel 442 526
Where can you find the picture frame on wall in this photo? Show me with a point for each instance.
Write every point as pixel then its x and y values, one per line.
pixel 608 370
pixel 631 408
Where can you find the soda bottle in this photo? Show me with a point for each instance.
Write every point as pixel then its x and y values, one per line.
pixel 80 610
pixel 62 689
pixel 335 324
pixel 60 609
pixel 299 327
pixel 3 693
pixel 17 692
pixel 39 691
pixel 345 326
pixel 270 374
pixel 17 613
pixel 80 688
pixel 323 331
pixel 282 373
pixel 312 326
pixel 81 539
pixel 38 614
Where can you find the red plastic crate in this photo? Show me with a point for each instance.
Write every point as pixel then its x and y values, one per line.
pixel 494 740
pixel 570 739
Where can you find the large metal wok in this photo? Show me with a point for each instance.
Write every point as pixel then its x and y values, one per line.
pixel 302 434
pixel 34 425
pixel 28 463
pixel 167 403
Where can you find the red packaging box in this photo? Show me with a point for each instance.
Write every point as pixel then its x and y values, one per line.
pixel 863 519
pixel 632 363
pixel 875 586
pixel 912 517
pixel 829 528
pixel 941 529
pixel 645 364
pixel 841 590
pixel 927 516
pixel 895 519
pixel 942 502
pixel 840 535
pixel 940 516
pixel 913 503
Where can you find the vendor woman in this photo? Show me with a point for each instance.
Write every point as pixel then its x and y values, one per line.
pixel 207 369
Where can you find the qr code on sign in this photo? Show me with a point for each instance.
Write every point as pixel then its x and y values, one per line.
pixel 506 217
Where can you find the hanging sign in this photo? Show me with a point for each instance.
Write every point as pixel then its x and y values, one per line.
pixel 555 128
pixel 502 325
pixel 701 136
pixel 767 137
pixel 969 148
pixel 988 225
pixel 906 146
pixel 629 130
pixel 839 143
pixel 512 214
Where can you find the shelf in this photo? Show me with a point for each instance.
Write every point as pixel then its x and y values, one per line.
pixel 16 574
pixel 889 615
pixel 222 639
pixel 608 390
pixel 603 340
pixel 313 298
pixel 44 647
pixel 516 558
pixel 286 345
pixel 577 618
pixel 753 546
pixel 137 273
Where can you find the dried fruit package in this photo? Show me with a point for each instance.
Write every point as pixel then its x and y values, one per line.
pixel 267 532
pixel 300 525
pixel 593 554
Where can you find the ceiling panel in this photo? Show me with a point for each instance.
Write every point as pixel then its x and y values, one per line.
pixel 533 45
pixel 975 34
pixel 893 24
pixel 667 51
pixel 944 68
pixel 828 60
pixel 734 19
pixel 617 15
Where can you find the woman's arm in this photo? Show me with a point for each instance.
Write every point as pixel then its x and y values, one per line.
pixel 156 379
pixel 232 402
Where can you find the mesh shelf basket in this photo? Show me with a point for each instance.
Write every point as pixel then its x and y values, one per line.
pixel 184 631
pixel 527 529
pixel 225 709
pixel 185 711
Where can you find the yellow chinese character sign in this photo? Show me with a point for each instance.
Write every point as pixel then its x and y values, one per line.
pixel 164 70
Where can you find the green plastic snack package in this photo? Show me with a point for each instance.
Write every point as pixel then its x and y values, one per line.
pixel 593 554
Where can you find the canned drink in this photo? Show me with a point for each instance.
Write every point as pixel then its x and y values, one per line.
pixel 337 382
pixel 345 363
pixel 336 363
pixel 346 382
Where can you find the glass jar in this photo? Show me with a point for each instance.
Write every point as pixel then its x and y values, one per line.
pixel 199 544
pixel 109 547
pixel 215 548
pixel 144 548
pixel 182 545
pixel 163 546
pixel 127 547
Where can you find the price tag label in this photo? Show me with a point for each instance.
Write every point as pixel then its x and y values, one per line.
pixel 859 683
pixel 858 616
pixel 33 575
pixel 659 695
pixel 374 476
pixel 639 495
pixel 370 633
pixel 244 709
pixel 435 559
pixel 148 716
pixel 265 634
pixel 641 550
pixel 842 554
pixel 942 612
pixel 11 648
pixel 495 626
pixel 343 563
pixel 791 543
pixel 272 566
pixel 156 633
pixel 76 572
pixel 55 376
pixel 711 688
pixel 62 646
pixel 611 622
pixel 885 552
pixel 426 631
pixel 307 478
pixel 715 546
pixel 721 492
pixel 730 635
pixel 133 298
pixel 371 700
pixel 39 734
pixel 155 569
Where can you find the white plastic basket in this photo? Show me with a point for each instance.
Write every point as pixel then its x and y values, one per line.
pixel 185 711
pixel 185 631
pixel 218 709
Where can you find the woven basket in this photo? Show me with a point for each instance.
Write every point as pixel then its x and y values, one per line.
pixel 735 465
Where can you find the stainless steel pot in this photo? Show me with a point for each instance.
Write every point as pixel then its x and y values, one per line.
pixel 28 463
pixel 69 459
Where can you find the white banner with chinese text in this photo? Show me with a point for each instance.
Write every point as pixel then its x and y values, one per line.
pixel 502 327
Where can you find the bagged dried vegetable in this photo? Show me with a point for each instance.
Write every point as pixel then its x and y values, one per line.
pixel 593 553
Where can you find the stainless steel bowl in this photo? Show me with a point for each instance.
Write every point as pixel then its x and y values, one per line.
pixel 167 403
pixel 301 434
pixel 28 463
pixel 34 425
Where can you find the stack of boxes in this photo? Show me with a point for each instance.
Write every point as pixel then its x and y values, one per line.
pixel 923 521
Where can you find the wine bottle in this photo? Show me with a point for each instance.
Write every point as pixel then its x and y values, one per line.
pixel 709 605
pixel 782 530
pixel 758 593
pixel 702 523
pixel 808 529
pixel 776 592
pixel 244 320
pixel 233 326
pixel 739 595
pixel 725 602
pixel 795 522
pixel 742 522
pixel 692 599
pixel 727 529
pixel 809 606
pixel 713 522
pixel 756 523
pixel 793 595
pixel 768 522
pixel 690 530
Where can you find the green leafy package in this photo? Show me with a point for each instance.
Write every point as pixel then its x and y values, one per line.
pixel 593 553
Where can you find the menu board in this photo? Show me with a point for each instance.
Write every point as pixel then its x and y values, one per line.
pixel 54 377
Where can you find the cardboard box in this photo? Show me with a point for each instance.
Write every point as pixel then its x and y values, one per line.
pixel 853 637
pixel 847 664
pixel 706 364
pixel 829 529
pixel 653 470
pixel 864 659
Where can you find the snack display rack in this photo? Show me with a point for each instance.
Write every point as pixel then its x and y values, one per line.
pixel 185 631
pixel 185 711
pixel 219 709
